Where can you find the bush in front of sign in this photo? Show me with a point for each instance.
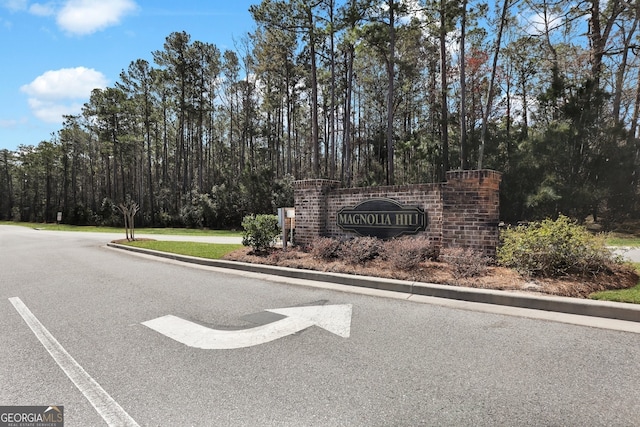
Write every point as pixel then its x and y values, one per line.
pixel 361 249
pixel 260 231
pixel 406 253
pixel 325 248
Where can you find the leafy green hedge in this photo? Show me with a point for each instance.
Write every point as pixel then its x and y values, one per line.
pixel 554 249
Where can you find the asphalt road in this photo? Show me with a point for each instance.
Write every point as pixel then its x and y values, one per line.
pixel 402 364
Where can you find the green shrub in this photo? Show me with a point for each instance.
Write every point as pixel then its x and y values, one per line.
pixel 554 249
pixel 259 231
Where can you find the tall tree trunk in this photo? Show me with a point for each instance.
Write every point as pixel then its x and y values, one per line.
pixel 620 73
pixel 464 156
pixel 494 68
pixel 315 139
pixel 444 110
pixel 152 205
pixel 633 127
pixel 525 109
pixel 332 107
pixel 599 36
pixel 289 107
pixel 391 64
pixel 347 147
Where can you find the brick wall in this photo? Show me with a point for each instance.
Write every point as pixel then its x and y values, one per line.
pixel 312 208
pixel 471 207
pixel 461 212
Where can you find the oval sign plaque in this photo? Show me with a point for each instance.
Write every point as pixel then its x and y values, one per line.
pixel 382 218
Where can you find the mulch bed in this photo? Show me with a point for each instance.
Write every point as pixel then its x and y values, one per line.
pixel 620 276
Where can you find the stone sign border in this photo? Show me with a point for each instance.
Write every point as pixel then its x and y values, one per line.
pixel 463 211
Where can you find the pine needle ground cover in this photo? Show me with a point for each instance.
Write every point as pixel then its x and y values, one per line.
pixel 442 272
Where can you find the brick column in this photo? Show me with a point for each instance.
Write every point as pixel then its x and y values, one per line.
pixel 471 210
pixel 311 208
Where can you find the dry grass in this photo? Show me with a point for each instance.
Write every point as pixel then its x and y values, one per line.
pixel 621 277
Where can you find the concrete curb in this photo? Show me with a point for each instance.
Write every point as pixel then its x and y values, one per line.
pixel 583 307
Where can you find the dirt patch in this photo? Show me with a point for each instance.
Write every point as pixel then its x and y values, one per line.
pixel 618 277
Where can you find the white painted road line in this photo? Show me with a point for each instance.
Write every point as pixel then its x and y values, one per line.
pixel 108 408
pixel 334 318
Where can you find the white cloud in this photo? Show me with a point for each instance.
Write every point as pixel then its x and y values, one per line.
pixel 53 112
pixel 14 5
pixel 535 24
pixel 84 17
pixel 77 17
pixel 12 123
pixel 59 92
pixel 40 9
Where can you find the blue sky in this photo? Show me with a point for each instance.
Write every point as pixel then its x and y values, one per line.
pixel 55 52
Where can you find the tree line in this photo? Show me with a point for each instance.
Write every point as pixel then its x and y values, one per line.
pixel 366 92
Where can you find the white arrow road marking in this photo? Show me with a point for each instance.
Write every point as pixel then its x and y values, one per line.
pixel 333 318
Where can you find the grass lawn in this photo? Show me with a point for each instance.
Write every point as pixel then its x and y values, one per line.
pixel 196 249
pixel 631 295
pixel 90 228
pixel 623 241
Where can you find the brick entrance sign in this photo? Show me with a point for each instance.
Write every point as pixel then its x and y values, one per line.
pixel 461 212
